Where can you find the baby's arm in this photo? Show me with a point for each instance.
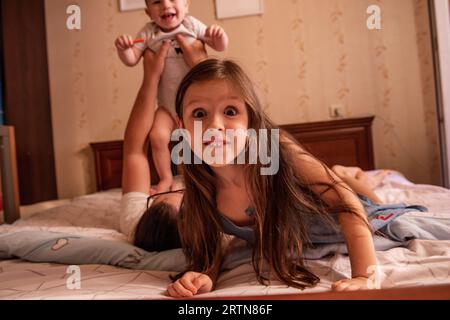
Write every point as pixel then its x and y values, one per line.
pixel 216 38
pixel 128 52
pixel 354 226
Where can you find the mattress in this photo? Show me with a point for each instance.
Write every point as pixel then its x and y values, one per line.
pixel 420 262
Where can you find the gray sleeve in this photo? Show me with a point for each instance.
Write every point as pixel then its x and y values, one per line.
pixel 198 27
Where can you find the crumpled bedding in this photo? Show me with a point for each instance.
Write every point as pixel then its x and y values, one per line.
pixel 419 262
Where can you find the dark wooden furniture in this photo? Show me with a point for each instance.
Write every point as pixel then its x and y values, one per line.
pixel 27 96
pixel 9 177
pixel 435 292
pixel 346 142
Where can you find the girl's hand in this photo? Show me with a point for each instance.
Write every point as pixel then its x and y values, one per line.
pixel 357 283
pixel 124 42
pixel 154 62
pixel 190 284
pixel 193 53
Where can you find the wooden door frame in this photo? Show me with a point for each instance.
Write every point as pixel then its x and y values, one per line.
pixel 440 28
pixel 27 96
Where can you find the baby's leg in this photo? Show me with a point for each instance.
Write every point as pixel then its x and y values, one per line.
pixel 163 125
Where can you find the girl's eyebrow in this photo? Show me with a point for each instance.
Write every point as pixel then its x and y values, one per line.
pixel 193 102
pixel 201 100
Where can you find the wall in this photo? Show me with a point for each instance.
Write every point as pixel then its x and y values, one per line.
pixel 322 49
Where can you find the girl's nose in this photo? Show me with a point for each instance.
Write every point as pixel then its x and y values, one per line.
pixel 217 123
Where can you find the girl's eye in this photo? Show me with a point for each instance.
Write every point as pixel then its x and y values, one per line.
pixel 198 113
pixel 231 111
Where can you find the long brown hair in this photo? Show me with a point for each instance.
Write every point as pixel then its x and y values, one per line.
pixel 283 202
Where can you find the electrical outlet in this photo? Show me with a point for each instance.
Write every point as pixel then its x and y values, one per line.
pixel 337 111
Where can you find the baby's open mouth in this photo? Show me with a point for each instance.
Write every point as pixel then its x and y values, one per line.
pixel 168 16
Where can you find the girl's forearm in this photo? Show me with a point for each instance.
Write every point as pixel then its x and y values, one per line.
pixel 360 245
pixel 362 256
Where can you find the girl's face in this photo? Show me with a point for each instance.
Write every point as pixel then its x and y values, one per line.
pixel 222 114
pixel 168 14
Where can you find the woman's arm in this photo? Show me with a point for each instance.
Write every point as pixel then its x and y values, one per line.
pixel 354 227
pixel 193 53
pixel 136 171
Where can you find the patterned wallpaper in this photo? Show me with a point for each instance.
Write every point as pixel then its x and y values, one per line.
pixel 304 56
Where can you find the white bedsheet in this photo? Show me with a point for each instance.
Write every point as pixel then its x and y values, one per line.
pixel 420 263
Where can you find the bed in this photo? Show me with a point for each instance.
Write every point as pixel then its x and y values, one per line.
pixel 418 270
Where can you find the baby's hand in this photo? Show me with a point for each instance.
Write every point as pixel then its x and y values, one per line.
pixel 190 284
pixel 214 32
pixel 124 42
pixel 357 283
pixel 216 37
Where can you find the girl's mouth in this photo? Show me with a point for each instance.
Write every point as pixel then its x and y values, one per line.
pixel 216 143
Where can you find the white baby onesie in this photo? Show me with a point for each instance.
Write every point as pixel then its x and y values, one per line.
pixel 175 68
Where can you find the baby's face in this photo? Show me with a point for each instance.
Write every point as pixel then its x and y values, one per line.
pixel 168 14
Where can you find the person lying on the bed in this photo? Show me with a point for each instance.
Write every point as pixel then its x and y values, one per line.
pixel 279 214
pixel 270 212
pixel 138 210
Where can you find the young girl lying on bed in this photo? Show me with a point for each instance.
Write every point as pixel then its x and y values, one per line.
pixel 270 211
pixel 278 214
pixel 274 212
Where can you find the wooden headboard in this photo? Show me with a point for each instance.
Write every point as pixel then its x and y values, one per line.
pixel 346 142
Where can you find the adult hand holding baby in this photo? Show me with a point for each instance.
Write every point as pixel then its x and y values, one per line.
pixel 193 53
pixel 154 62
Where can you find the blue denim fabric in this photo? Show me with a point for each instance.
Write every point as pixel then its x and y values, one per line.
pixel 320 232
pixel 379 217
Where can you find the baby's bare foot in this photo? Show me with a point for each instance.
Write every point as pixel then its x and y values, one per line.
pixel 163 185
pixel 379 177
pixel 177 185
pixel 152 191
pixel 372 181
